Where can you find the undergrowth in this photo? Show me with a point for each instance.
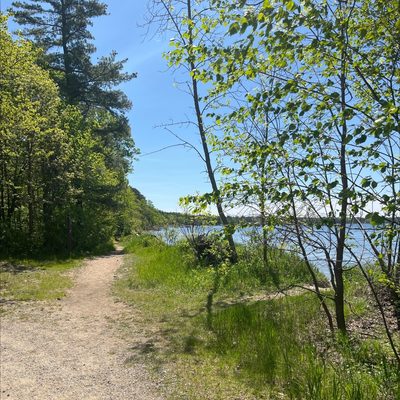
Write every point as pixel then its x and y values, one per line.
pixel 271 349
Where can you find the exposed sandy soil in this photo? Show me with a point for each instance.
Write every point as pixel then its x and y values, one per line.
pixel 71 349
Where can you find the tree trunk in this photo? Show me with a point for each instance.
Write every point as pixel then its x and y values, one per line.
pixel 338 266
pixel 68 71
pixel 69 234
pixel 206 151
pixel 30 193
pixel 308 264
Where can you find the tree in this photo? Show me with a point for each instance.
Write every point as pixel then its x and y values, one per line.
pixel 61 179
pixel 335 157
pixel 32 144
pixel 92 199
pixel 60 28
pixel 185 21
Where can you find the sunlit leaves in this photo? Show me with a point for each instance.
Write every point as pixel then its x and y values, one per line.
pixel 55 170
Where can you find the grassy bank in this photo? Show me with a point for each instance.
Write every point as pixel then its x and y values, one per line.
pixel 27 280
pixel 275 348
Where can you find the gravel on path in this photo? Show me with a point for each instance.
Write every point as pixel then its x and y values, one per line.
pixel 72 350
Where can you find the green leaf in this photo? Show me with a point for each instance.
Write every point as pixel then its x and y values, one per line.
pixel 376 219
pixel 365 182
pixel 234 28
pixel 290 5
pixel 361 139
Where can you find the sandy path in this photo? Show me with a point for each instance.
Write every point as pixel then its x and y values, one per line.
pixel 71 350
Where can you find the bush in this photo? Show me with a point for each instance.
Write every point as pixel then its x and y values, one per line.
pixel 209 248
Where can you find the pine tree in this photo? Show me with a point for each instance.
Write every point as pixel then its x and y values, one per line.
pixel 60 28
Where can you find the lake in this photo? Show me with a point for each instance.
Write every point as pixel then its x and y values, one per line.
pixel 317 239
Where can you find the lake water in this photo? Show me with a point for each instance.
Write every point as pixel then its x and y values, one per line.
pixel 318 240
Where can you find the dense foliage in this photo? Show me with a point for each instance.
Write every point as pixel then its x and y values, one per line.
pixel 63 168
pixel 300 100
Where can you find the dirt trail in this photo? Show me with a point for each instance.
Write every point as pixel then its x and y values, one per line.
pixel 72 350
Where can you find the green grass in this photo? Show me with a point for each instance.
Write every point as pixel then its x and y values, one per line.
pixel 26 280
pixel 285 270
pixel 162 281
pixel 275 349
pixel 272 345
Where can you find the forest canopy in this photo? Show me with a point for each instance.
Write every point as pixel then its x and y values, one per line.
pixel 63 162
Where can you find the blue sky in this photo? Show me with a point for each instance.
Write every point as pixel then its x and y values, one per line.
pixel 164 176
